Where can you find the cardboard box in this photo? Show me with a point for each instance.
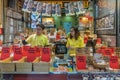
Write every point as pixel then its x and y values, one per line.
pixel 23 67
pixel 7 67
pixel 41 67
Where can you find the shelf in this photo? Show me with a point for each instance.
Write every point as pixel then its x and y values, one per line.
pixel 59 73
pixel 24 72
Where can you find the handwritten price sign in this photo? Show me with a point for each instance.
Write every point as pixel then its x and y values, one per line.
pixel 46 54
pixel 81 62
pixel 31 54
pixel 114 62
pixel 17 53
pixel 5 53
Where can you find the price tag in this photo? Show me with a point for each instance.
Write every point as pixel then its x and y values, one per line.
pixel 46 54
pixel 17 53
pixel 81 62
pixel 114 62
pixel 5 53
pixel 31 54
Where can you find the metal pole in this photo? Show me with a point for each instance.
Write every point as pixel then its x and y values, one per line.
pixel 3 12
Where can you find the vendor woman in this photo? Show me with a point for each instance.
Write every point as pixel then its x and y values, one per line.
pixel 74 41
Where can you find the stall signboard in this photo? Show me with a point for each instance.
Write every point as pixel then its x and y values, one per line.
pixel 114 62
pixel 81 62
pixel 46 54
pixel 5 53
pixel 17 53
pixel 53 9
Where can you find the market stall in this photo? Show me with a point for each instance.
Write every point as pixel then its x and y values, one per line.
pixel 95 61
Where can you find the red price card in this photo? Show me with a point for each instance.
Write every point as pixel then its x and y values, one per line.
pixel 25 50
pixel 114 62
pixel 108 52
pixel 17 53
pixel 5 53
pixel 46 54
pixel 31 56
pixel 81 62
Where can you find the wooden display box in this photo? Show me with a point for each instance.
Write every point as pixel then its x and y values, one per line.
pixel 7 67
pixel 41 67
pixel 23 67
pixel 99 66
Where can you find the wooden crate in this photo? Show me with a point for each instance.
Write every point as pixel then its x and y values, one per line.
pixel 41 67
pixel 99 66
pixel 23 67
pixel 7 67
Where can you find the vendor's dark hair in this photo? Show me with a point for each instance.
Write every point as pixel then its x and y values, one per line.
pixel 77 33
pixel 40 25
